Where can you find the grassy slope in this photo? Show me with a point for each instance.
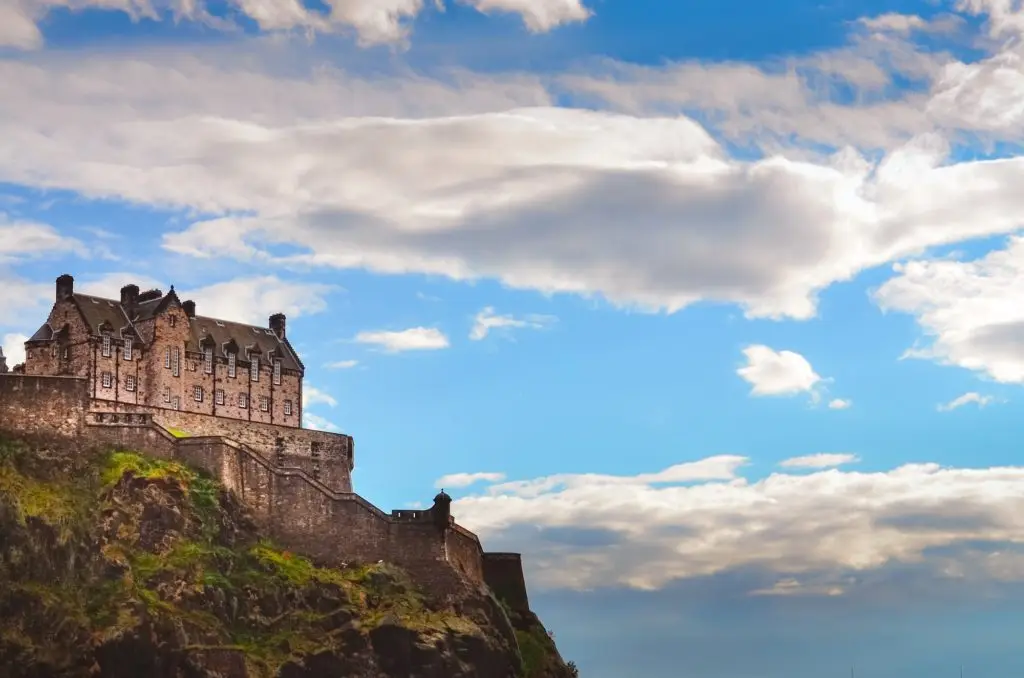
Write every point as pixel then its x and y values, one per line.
pixel 98 546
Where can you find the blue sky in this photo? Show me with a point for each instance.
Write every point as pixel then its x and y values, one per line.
pixel 712 310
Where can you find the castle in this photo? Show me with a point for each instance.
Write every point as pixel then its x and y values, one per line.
pixel 147 372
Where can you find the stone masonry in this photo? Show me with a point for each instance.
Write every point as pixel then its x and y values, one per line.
pixel 145 372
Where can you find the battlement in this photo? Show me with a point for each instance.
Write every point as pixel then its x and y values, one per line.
pixel 293 494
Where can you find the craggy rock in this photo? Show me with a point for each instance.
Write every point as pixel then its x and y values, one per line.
pixel 113 565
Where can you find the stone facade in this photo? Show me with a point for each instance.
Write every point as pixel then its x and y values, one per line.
pixel 299 510
pixel 3 362
pixel 145 372
pixel 151 349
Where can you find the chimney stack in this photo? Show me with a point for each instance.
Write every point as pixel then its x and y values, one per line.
pixel 278 324
pixel 65 287
pixel 129 295
pixel 189 307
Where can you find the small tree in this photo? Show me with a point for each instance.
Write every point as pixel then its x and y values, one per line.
pixel 573 671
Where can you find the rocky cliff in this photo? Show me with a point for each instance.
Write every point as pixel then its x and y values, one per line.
pixel 119 566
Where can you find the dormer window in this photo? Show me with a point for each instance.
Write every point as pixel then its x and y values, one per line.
pixel 254 371
pixel 277 373
pixel 128 348
pixel 232 365
pixel 208 360
pixel 106 345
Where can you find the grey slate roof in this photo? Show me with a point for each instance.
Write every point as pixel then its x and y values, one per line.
pixel 98 312
pixel 249 338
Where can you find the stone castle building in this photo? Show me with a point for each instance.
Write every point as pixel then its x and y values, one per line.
pixel 3 362
pixel 147 372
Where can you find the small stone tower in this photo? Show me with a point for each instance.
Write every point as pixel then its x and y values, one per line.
pixel 3 362
pixel 442 510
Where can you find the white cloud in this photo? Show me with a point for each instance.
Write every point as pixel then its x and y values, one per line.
pixel 318 423
pixel 893 21
pixel 511 192
pixel 312 395
pixel 342 365
pixel 412 339
pixel 821 528
pixel 960 401
pixel 374 22
pixel 777 373
pixel 467 479
pixel 14 348
pixel 539 16
pixel 20 239
pixel 969 310
pixel 818 461
pixel 487 320
pixel 839 404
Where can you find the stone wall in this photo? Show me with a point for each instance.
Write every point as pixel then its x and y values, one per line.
pixel 503 574
pixel 327 457
pixel 42 405
pixel 464 552
pixel 301 512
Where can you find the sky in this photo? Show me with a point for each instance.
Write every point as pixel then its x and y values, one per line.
pixel 713 310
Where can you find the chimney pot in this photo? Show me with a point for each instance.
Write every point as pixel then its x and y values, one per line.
pixel 65 287
pixel 278 323
pixel 129 295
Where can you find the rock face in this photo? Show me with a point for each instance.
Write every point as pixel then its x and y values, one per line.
pixel 113 565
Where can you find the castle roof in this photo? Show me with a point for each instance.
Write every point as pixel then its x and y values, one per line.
pixel 107 314
pixel 248 338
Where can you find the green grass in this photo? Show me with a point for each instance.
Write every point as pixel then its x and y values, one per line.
pixel 177 432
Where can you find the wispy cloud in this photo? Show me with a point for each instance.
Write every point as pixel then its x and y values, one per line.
pixel 467 479
pixel 487 320
pixel 318 423
pixel 413 339
pixel 966 399
pixel 342 365
pixel 821 460
pixel 839 404
pixel 312 395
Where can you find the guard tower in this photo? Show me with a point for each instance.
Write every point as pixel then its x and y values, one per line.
pixel 3 362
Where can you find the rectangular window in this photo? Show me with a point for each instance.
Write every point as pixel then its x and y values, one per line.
pixel 219 396
pixel 106 345
pixel 175 403
pixel 167 358
pixel 172 320
pixel 277 373
pixel 128 348
pixel 254 371
pixel 108 379
pixel 243 401
pixel 176 361
pixel 264 404
pixel 197 393
pixel 129 383
pixel 231 365
pixel 167 394
pixel 287 408
pixel 208 361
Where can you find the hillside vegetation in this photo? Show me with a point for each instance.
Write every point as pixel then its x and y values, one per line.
pixel 114 565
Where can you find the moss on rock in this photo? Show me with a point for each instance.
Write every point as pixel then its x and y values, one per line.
pixel 115 564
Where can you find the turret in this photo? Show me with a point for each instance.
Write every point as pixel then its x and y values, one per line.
pixel 278 325
pixel 3 362
pixel 65 287
pixel 442 510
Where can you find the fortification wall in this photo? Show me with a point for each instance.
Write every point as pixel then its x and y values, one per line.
pixel 464 552
pixel 43 405
pixel 302 513
pixel 503 574
pixel 328 457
